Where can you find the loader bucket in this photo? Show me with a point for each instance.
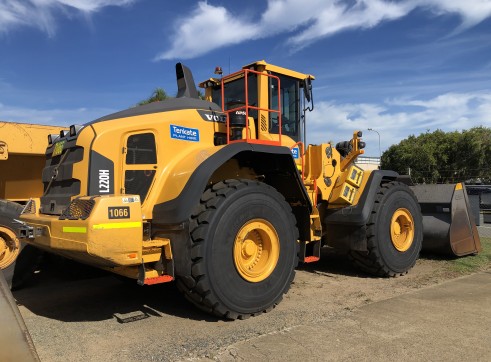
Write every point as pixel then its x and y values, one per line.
pixel 448 225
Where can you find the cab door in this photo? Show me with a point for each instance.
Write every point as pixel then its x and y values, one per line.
pixel 139 164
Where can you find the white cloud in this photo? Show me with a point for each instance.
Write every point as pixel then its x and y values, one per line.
pixel 40 13
pixel 210 27
pixel 397 119
pixel 58 117
pixel 472 12
pixel 337 17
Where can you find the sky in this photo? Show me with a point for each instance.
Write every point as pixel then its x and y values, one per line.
pixel 399 67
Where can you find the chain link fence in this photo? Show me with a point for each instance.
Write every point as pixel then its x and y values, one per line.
pixel 480 200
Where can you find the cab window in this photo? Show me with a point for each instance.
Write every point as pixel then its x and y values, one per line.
pixel 140 164
pixel 235 94
pixel 289 101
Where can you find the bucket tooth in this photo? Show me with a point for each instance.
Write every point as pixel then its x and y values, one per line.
pixel 448 225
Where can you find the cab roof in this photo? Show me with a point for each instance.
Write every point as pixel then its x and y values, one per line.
pixel 261 65
pixel 276 69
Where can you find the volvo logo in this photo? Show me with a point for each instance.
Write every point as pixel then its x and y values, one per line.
pixel 211 116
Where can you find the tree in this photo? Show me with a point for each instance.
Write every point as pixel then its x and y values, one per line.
pixel 158 94
pixel 474 152
pixel 443 157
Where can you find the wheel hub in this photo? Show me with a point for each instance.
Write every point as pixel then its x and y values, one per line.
pixel 402 229
pixel 9 247
pixel 3 247
pixel 249 248
pixel 256 250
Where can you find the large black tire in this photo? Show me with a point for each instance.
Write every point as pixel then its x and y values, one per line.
pixel 20 271
pixel 11 246
pixel 216 285
pixel 391 255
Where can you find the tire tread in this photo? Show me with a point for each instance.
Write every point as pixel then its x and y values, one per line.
pixel 196 286
pixel 371 261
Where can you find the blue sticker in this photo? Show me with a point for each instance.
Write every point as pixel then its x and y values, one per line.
pixel 295 152
pixel 184 133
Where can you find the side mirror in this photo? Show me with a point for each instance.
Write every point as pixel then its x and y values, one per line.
pixel 307 89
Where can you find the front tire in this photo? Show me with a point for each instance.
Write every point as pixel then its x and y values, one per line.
pixel 18 261
pixel 9 242
pixel 394 233
pixel 244 250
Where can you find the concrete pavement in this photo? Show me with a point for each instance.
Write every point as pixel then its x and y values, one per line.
pixel 447 322
pixel 16 344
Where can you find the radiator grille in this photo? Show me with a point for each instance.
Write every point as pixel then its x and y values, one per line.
pixel 30 207
pixel 59 177
pixel 78 209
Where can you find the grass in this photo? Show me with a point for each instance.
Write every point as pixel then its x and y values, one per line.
pixel 474 263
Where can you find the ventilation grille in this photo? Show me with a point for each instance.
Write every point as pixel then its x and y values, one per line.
pixel 64 186
pixel 30 207
pixel 264 124
pixel 78 209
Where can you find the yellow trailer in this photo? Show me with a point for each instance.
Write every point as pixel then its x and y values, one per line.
pixel 22 159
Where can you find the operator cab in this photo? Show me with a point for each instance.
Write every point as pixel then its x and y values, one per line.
pixel 275 100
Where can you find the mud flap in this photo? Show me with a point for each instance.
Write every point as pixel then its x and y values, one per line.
pixel 448 226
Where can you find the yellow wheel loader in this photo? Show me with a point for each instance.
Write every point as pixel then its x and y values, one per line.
pixel 22 159
pixel 222 194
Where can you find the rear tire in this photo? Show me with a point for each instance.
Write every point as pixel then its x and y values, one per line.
pixel 18 261
pixel 244 250
pixel 394 233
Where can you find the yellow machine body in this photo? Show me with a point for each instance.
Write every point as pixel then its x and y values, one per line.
pixel 104 231
pixel 136 192
pixel 163 150
pixel 22 158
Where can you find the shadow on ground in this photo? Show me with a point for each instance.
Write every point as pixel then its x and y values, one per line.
pixel 332 262
pixel 72 292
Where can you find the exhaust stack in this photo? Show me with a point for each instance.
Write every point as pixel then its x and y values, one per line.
pixel 185 82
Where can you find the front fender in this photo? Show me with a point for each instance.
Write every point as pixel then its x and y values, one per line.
pixel 275 163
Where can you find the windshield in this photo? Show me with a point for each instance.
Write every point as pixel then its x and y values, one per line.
pixel 235 93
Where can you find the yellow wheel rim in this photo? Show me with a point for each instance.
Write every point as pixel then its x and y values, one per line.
pixel 402 229
pixel 256 250
pixel 9 247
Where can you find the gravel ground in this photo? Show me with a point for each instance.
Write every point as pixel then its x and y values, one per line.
pixel 93 316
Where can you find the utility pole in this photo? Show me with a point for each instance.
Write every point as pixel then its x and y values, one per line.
pixel 379 149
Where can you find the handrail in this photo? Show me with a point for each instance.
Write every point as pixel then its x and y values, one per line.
pixel 248 107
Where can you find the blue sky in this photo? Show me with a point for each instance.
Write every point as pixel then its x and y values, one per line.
pixel 400 67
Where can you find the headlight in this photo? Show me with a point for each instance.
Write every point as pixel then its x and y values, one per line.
pixel 74 129
pixel 52 138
